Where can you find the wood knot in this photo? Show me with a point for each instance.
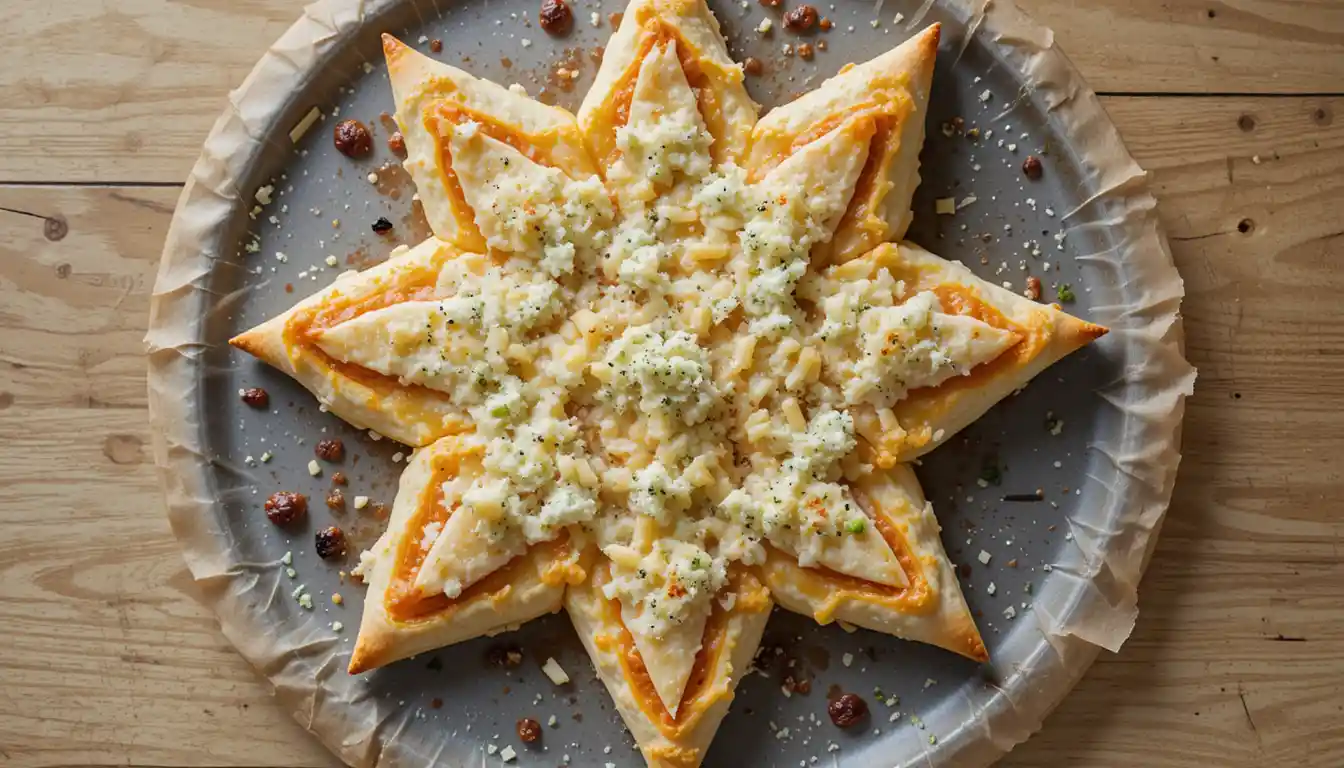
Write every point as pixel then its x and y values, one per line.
pixel 124 449
pixel 1322 117
pixel 55 228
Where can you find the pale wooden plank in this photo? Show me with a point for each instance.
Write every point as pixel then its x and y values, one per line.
pixel 126 91
pixel 109 661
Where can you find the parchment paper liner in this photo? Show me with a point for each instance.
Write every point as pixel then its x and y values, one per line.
pixel 1088 603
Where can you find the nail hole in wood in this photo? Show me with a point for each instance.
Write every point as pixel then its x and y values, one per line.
pixel 1321 116
pixel 1212 13
pixel 1246 123
pixel 1246 226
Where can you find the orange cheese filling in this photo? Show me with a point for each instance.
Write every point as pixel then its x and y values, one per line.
pixel 695 699
pixel 535 148
pixel 404 602
pixel 616 110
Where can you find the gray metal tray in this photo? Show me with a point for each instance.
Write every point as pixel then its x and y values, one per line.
pixel 450 707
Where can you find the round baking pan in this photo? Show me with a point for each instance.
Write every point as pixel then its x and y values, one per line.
pixel 1049 504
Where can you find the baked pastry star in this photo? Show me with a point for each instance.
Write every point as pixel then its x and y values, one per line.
pixel 664 365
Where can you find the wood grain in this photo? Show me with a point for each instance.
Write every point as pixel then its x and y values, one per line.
pixel 1235 661
pixel 125 91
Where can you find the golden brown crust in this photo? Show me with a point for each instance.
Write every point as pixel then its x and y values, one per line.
pixel 529 586
pixel 891 91
pixel 929 417
pixel 412 415
pixel 930 610
pixel 732 636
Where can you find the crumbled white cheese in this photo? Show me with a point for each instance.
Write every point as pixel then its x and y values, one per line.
pixel 554 671
pixel 984 557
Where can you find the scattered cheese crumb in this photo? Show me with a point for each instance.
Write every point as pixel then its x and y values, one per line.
pixel 526 43
pixel 288 557
pixel 337 599
pixel 554 671
pixel 267 456
pixel 507 754
pixel 595 19
pixel 991 589
pixel 1010 612
pixel 553 721
pixel 361 502
pixel 372 177
pixel 303 125
pixel 945 206
pixel 264 194
pixel 765 26
pixel 314 468
pixel 847 659
pixel 337 626
pixel 306 601
pixel 984 557
pixel 331 261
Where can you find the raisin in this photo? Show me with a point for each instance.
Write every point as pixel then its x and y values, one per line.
pixel 800 19
pixel 338 478
pixel 336 500
pixel 555 17
pixel 436 46
pixel 330 542
pixel 753 66
pixel 382 226
pixel 529 730
pixel 1033 291
pixel 284 507
pixel 352 138
pixel 826 25
pixel 256 397
pixel 805 51
pixel 847 710
pixel 1032 168
pixel 397 143
pixel 330 449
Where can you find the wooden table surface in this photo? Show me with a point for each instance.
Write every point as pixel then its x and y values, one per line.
pixel 1235 106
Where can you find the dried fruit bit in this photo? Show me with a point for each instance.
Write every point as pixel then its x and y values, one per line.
pixel 800 19
pixel 753 66
pixel 529 730
pixel 330 449
pixel 1032 167
pixel 847 710
pixel 772 3
pixel 1033 291
pixel 397 143
pixel 436 46
pixel 336 500
pixel 352 138
pixel 1065 293
pixel 436 703
pixel 330 542
pixel 256 397
pixel 284 507
pixel 805 51
pixel 504 656
pixel 338 478
pixel 382 226
pixel 825 25
pixel 555 17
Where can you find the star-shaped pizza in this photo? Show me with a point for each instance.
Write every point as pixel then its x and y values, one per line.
pixel 665 365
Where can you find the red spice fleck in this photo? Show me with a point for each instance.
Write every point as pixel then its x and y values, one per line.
pixel 529 730
pixel 330 542
pixel 336 500
pixel 436 45
pixel 555 17
pixel 800 19
pixel 352 138
pixel 1032 168
pixel 397 143
pixel 256 397
pixel 847 710
pixel 435 703
pixel 753 66
pixel 330 449
pixel 284 507
pixel 338 478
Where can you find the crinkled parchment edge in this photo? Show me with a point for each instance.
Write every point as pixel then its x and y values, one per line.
pixel 1089 602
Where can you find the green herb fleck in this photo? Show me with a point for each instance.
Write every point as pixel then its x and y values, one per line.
pixel 1066 293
